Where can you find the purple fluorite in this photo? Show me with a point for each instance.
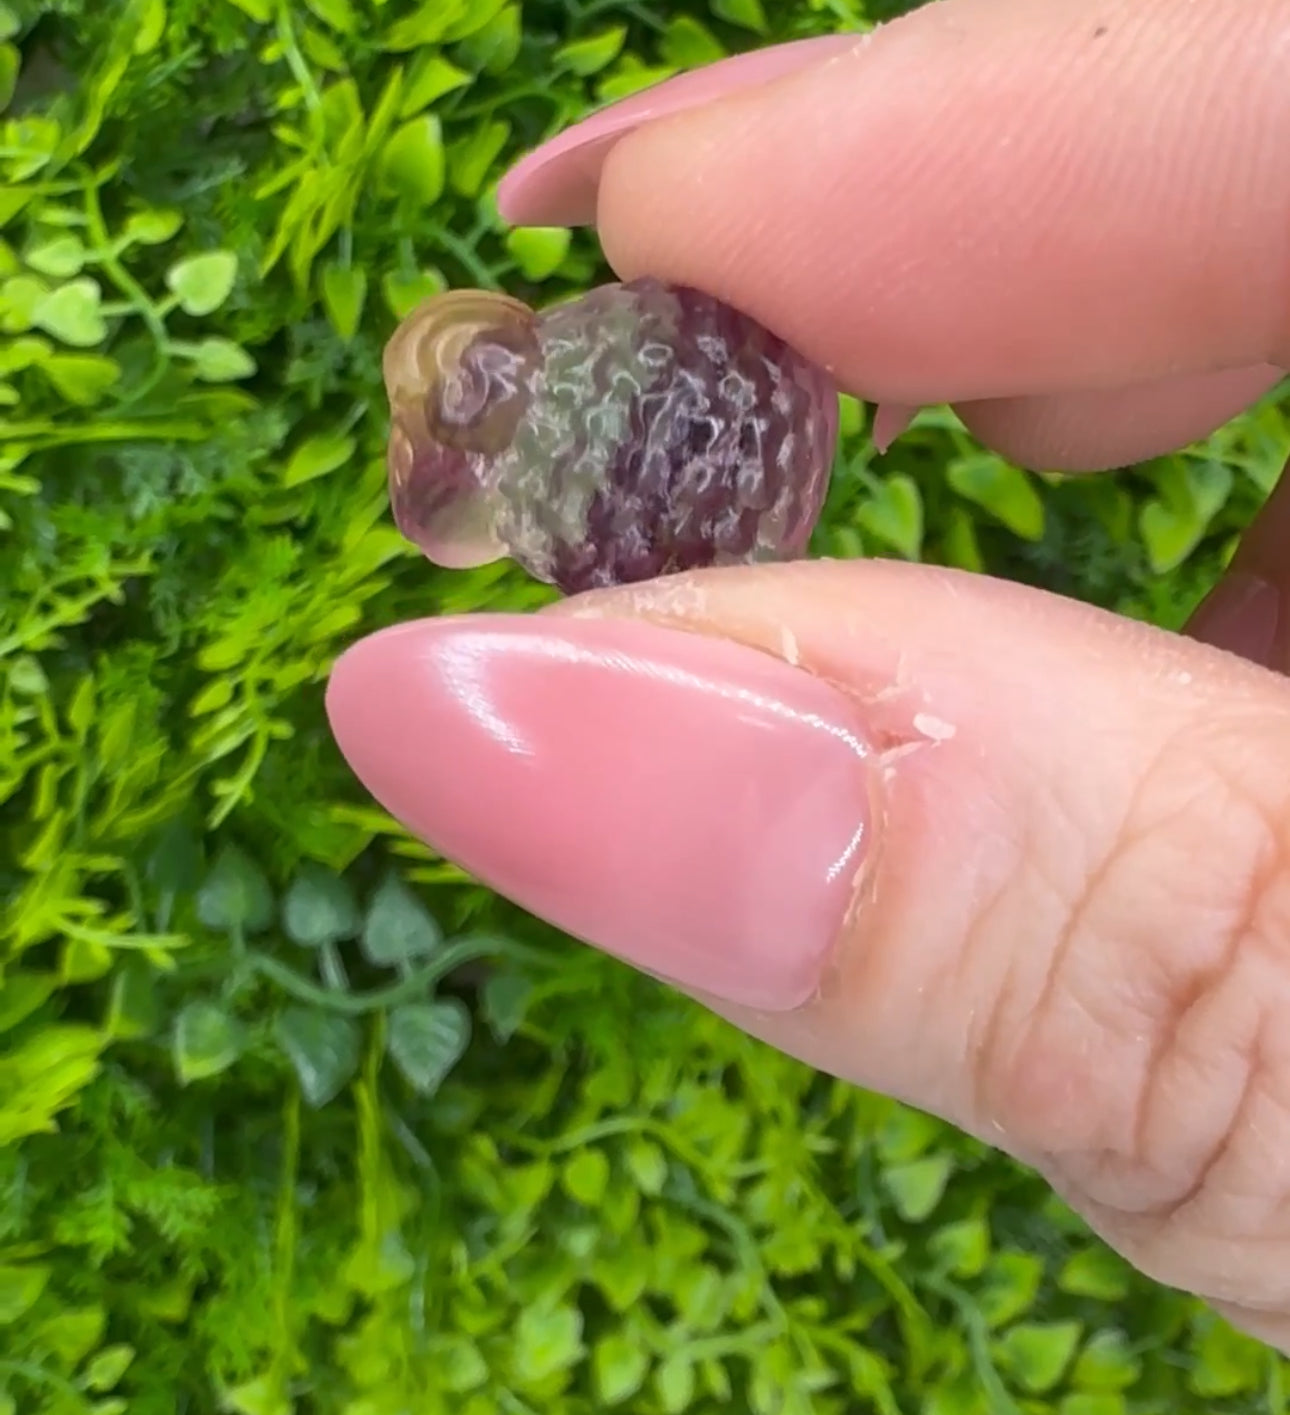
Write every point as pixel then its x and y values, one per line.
pixel 642 429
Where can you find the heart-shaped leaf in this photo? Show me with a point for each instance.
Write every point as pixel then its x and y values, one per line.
pixel 71 314
pixel 323 1048
pixel 894 515
pixel 1037 1353
pixel 217 360
pixel 344 293
pixel 81 379
pixel 201 283
pixel 427 1039
pixel 588 56
pixel 916 1188
pixel 319 909
pixel 235 895
pixel 60 258
pixel 208 1040
pixel 1169 534
pixel 412 164
pixel 1003 490
pixel 539 251
pixel 398 927
pixel 405 290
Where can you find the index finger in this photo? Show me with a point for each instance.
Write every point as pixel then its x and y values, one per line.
pixel 990 198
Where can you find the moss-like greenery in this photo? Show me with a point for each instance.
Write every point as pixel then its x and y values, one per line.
pixel 294 1117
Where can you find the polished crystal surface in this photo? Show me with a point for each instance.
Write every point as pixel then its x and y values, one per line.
pixel 642 429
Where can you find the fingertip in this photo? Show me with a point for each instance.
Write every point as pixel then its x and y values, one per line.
pixel 558 183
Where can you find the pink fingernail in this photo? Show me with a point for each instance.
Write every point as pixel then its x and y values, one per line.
pixel 890 421
pixel 697 808
pixel 557 184
pixel 1242 615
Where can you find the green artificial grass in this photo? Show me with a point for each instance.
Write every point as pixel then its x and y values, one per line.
pixel 294 1117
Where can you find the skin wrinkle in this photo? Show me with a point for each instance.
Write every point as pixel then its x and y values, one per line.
pixel 1155 1229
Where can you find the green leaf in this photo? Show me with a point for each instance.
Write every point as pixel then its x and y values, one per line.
pixel 470 161
pixel 344 293
pixel 505 996
pixel 1192 493
pixel 960 544
pixel 71 314
pixel 963 1247
pixel 412 163
pixel 850 416
pixel 320 909
pixel 236 894
pixel 894 515
pixel 432 78
pixel 153 228
pixel 208 1040
pixel 1169 536
pixel 494 47
pixel 20 1289
pixel 260 11
pixel 547 1340
pixel 1101 1403
pixel 261 1396
pixel 380 1265
pixel 1096 1272
pixel 175 859
pixel 20 297
pixel 689 44
pixel 631 76
pixel 10 67
pixel 324 1049
pixel 105 1369
pixel 83 960
pixel 1038 1353
pixel 1010 1287
pixel 620 1365
pixel 586 1177
pixel 201 283
pixel 404 290
pixel 22 994
pixel 218 360
pixel 398 928
pixel 60 258
pixel 647 1165
pixel 1224 1362
pixel 917 1188
pixel 339 14
pixel 747 14
pixel 72 1334
pixel 588 56
pixel 539 251
pixel 674 1383
pixel 319 456
pixel 469 18
pixel 1003 490
pixel 427 1039
pixel 82 379
pixel 461 1367
pixel 1107 1363
pixel 134 1008
pixel 428 24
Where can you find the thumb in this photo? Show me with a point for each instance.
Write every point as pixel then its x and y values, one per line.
pixel 1008 858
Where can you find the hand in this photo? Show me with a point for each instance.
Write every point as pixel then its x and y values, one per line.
pixel 1003 856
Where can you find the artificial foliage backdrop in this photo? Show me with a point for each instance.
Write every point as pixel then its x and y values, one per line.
pixel 293 1116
